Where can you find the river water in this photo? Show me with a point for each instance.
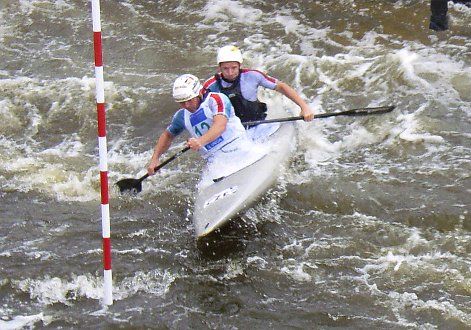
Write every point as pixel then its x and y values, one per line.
pixel 369 226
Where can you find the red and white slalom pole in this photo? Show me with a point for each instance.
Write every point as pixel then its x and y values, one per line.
pixel 101 114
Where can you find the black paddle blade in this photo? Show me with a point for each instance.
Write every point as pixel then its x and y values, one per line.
pixel 370 111
pixel 131 185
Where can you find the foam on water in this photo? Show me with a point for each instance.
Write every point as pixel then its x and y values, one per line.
pixel 24 321
pixel 52 290
pixel 410 258
pixel 66 169
pixel 230 10
pixel 153 282
pixel 410 131
pixel 416 63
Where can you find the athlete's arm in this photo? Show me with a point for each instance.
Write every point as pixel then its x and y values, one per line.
pixel 216 129
pixel 162 145
pixel 290 93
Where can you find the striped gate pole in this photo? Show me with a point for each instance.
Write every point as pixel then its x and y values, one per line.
pixel 101 115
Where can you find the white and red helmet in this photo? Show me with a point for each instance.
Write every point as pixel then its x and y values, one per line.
pixel 229 54
pixel 186 87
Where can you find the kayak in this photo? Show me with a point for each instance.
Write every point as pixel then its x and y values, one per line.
pixel 227 196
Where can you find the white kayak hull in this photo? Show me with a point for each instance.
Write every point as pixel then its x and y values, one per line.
pixel 219 202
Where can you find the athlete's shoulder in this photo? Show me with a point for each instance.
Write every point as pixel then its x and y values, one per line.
pixel 218 101
pixel 251 71
pixel 209 82
pixel 179 116
pixel 216 96
pixel 255 72
pixel 177 125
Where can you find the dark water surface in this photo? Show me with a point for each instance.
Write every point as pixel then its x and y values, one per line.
pixel 369 226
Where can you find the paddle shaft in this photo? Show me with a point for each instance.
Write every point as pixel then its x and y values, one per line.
pixel 352 112
pixel 135 184
pixel 165 162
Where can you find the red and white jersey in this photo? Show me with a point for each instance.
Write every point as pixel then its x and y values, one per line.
pixel 199 122
pixel 250 80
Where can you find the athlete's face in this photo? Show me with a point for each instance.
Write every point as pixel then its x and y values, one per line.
pixel 191 105
pixel 230 70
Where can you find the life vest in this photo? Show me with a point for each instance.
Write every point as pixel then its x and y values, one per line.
pixel 244 109
pixel 199 122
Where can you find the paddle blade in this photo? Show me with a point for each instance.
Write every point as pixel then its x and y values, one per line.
pixel 130 185
pixel 358 112
pixel 369 111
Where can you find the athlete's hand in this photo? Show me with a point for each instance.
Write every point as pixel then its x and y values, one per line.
pixel 307 113
pixel 152 165
pixel 194 144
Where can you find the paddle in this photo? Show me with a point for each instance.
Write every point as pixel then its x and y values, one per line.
pixel 352 112
pixel 135 185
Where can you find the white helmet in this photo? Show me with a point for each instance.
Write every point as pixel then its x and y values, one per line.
pixel 186 87
pixel 229 54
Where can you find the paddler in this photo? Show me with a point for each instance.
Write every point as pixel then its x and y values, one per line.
pixel 241 86
pixel 439 9
pixel 209 119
